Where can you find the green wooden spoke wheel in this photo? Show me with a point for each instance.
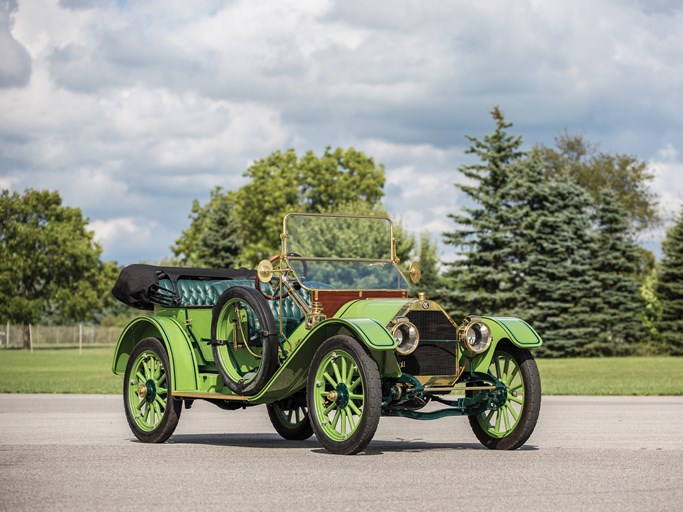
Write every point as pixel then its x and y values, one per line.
pixel 344 395
pixel 151 411
pixel 508 427
pixel 290 418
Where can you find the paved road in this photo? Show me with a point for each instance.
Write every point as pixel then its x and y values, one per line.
pixel 75 452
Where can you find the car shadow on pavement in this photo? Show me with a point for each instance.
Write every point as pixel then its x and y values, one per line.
pixel 274 441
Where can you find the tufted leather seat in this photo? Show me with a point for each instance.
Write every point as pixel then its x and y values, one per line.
pixel 202 292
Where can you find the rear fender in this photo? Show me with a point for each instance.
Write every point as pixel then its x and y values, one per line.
pixel 178 346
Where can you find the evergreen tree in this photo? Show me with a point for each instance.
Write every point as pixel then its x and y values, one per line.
pixel 429 261
pixel 619 311
pixel 670 289
pixel 555 287
pixel 214 236
pixel 480 279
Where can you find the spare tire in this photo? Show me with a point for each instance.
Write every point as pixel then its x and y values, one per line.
pixel 241 316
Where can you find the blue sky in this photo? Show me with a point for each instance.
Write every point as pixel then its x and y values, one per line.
pixel 133 109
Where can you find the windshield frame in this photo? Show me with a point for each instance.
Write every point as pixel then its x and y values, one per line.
pixel 393 260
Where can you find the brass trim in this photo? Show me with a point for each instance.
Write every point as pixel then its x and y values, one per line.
pixel 393 257
pixel 216 396
pixel 415 272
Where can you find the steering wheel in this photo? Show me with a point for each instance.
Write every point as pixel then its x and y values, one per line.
pixel 272 259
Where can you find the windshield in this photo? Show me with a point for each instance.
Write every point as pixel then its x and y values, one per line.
pixel 342 252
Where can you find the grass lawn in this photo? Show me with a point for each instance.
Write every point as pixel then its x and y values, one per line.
pixel 65 371
pixel 59 371
pixel 612 376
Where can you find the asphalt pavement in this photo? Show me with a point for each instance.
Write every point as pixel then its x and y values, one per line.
pixel 76 452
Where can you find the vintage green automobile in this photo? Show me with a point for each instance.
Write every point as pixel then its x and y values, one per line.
pixel 329 335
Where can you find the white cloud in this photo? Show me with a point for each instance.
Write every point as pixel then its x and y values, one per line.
pixel 133 110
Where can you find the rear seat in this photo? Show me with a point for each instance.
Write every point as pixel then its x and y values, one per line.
pixel 205 292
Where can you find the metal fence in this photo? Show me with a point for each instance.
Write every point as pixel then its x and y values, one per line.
pixel 12 336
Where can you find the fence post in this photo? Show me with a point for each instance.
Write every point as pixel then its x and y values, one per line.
pixel 80 339
pixel 7 337
pixel 30 338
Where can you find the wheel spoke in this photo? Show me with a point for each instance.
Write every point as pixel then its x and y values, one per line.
pixel 495 358
pixel 355 396
pixel 352 423
pixel 355 409
pixel 517 400
pixel 141 377
pixel 355 383
pixel 505 370
pixel 343 370
pixel 160 401
pixel 514 373
pixel 327 409
pixel 487 418
pixel 329 379
pixel 506 420
pixel 148 411
pixel 349 376
pixel 160 380
pixel 498 418
pixel 343 422
pixel 335 419
pixel 296 415
pixel 335 368
pixel 157 410
pixel 148 372
pixel 514 413
pixel 138 405
pixel 289 415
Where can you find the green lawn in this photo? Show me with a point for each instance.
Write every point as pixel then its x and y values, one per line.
pixel 65 371
pixel 58 371
pixel 612 376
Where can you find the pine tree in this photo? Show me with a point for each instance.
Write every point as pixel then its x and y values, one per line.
pixel 220 245
pixel 670 289
pixel 480 279
pixel 620 308
pixel 429 261
pixel 556 287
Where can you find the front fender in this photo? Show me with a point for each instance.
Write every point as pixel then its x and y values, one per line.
pixel 515 330
pixel 178 346
pixel 292 375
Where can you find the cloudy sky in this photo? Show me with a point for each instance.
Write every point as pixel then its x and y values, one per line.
pixel 131 109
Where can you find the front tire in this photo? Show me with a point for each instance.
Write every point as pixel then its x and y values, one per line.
pixel 510 426
pixel 344 395
pixel 151 411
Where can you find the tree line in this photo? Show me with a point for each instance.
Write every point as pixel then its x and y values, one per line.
pixel 546 234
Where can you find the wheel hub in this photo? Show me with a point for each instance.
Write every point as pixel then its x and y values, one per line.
pixel 147 391
pixel 342 395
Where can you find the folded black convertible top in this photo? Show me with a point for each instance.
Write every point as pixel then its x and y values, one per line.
pixel 138 285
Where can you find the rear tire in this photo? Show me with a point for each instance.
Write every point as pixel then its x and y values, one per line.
pixel 151 410
pixel 510 426
pixel 289 417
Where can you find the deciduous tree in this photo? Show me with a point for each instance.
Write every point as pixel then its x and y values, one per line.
pixel 49 262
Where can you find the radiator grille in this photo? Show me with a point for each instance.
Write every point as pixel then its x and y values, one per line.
pixel 437 353
pixel 433 325
pixel 431 359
